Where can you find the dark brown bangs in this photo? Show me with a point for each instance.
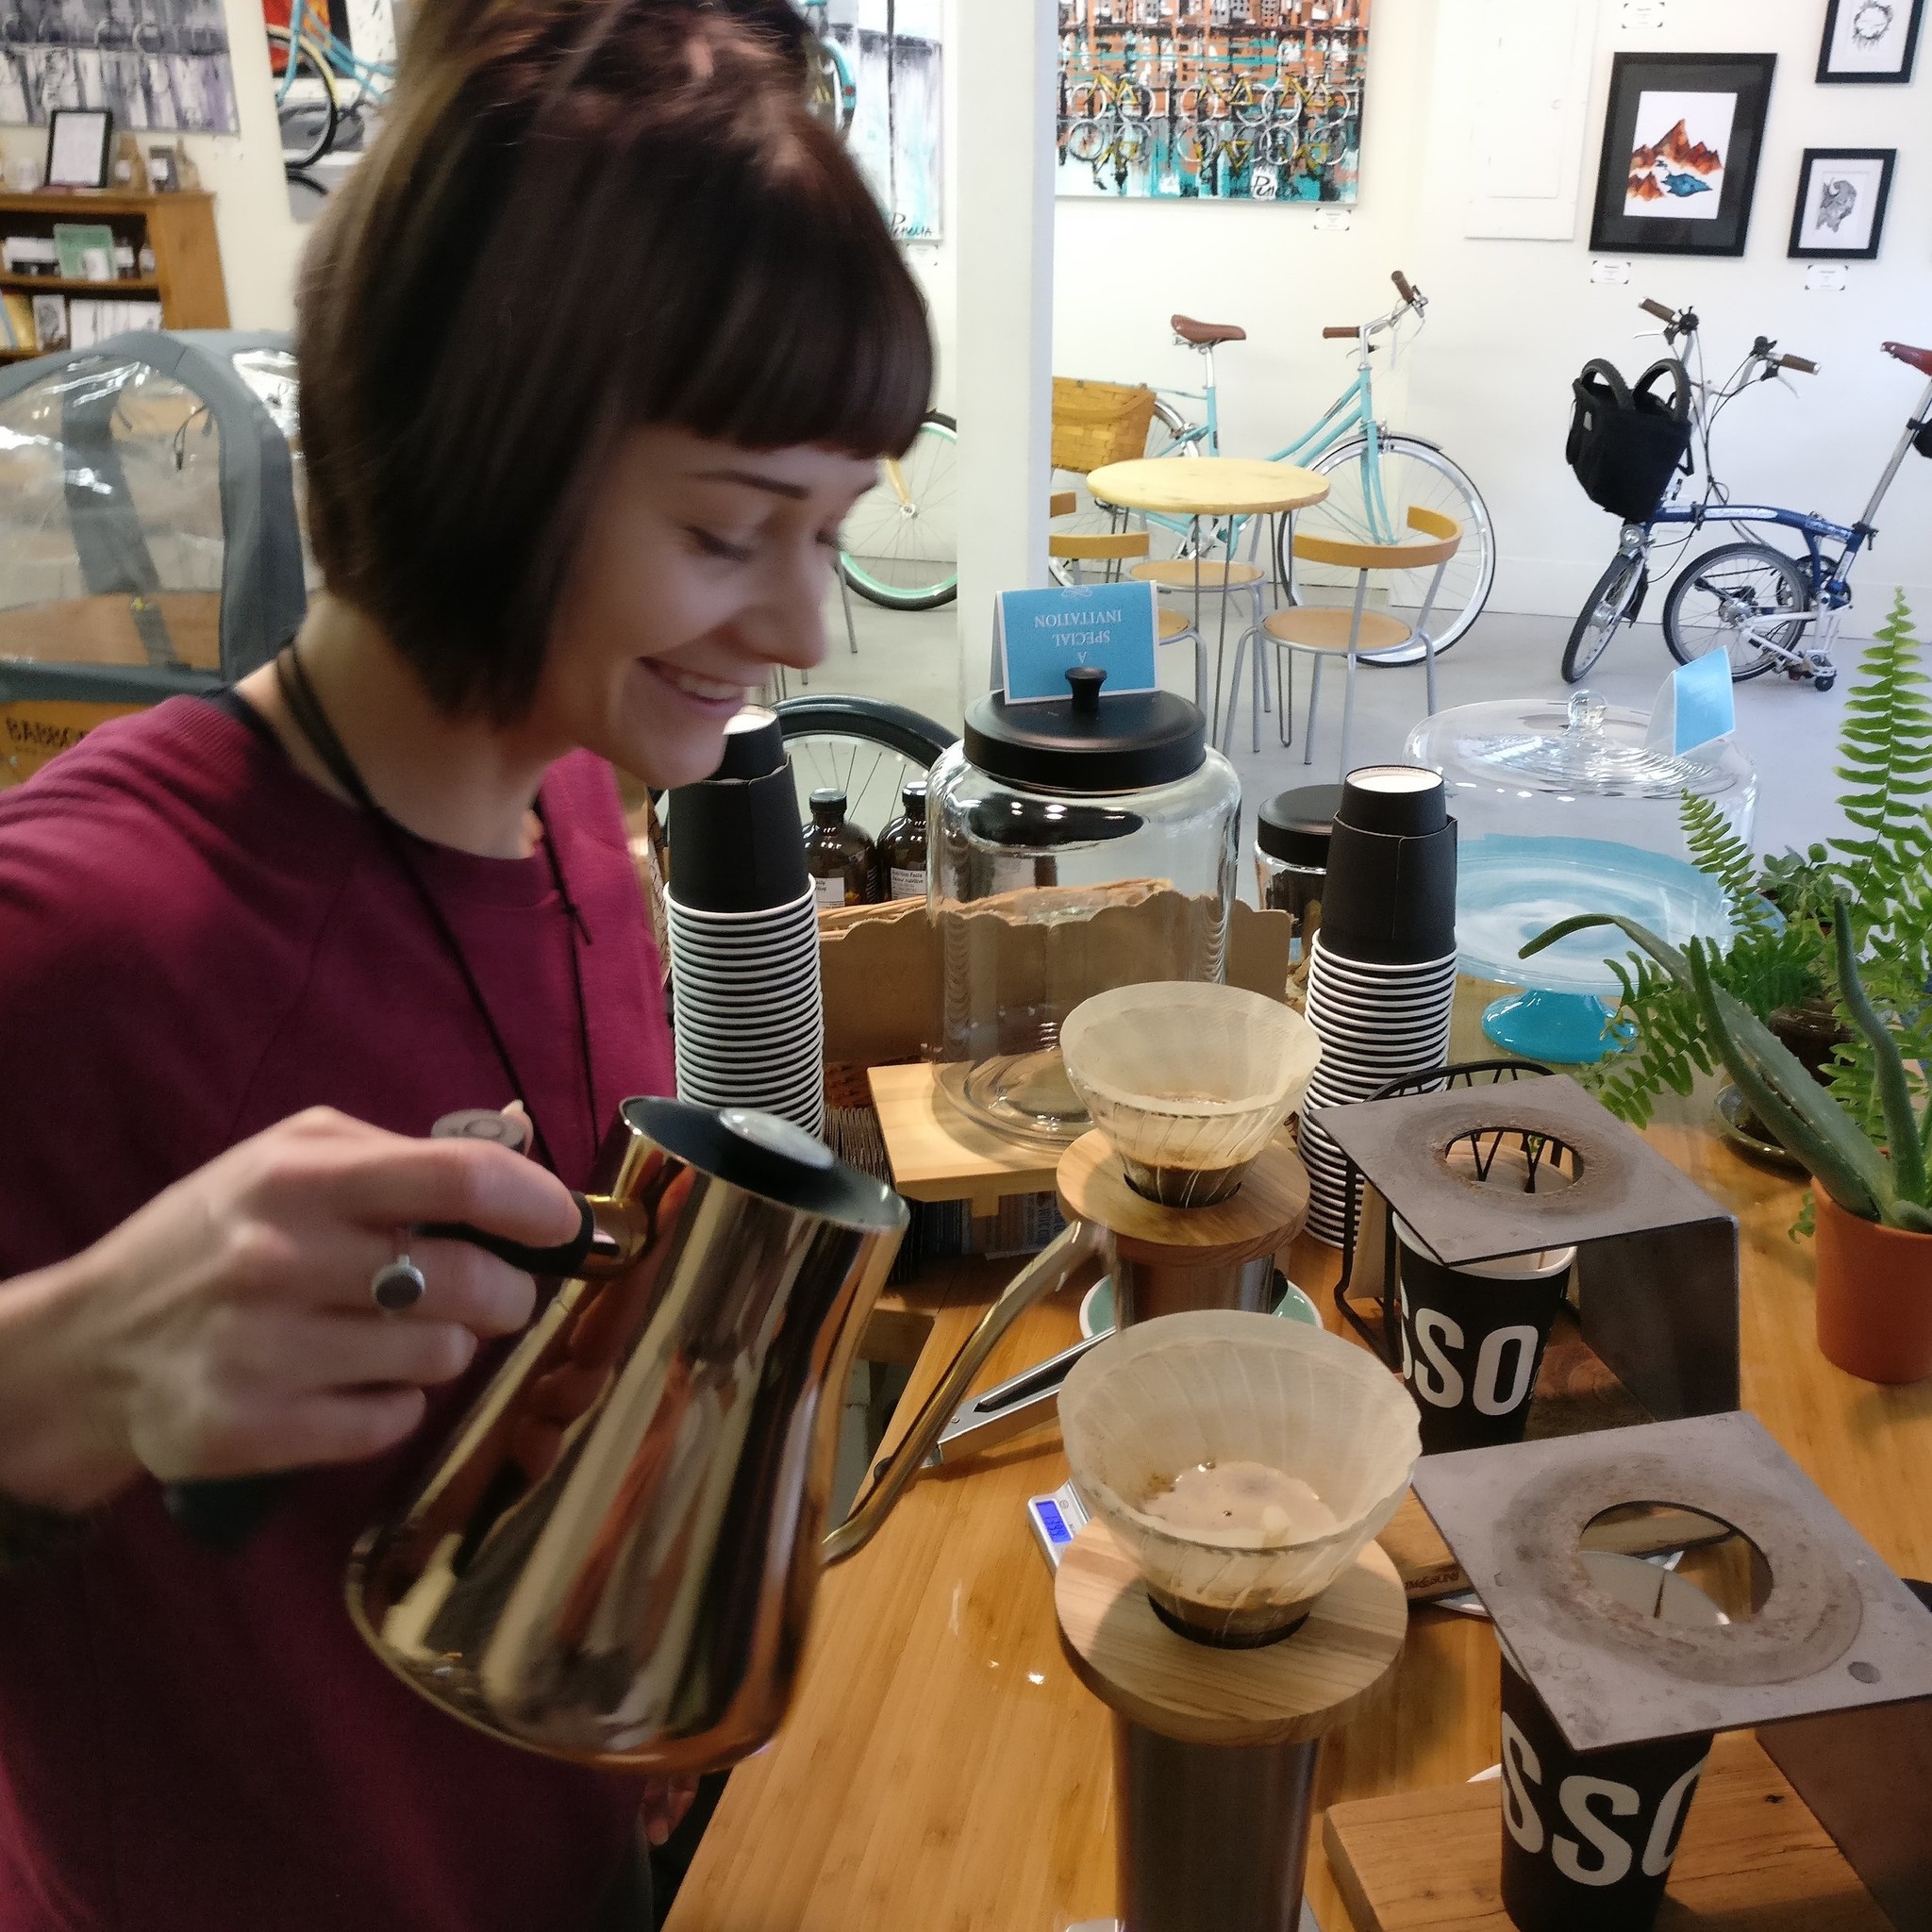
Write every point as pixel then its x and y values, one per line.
pixel 815 332
pixel 559 238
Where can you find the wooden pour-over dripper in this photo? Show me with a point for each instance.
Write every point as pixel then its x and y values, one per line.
pixel 1169 1261
pixel 1215 1751
pixel 1226 1656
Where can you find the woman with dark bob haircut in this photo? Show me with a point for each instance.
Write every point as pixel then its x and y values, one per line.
pixel 598 346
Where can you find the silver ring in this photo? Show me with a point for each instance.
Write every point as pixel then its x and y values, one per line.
pixel 397 1285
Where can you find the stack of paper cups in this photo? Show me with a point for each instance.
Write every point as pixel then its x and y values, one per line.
pixel 747 1013
pixel 1382 971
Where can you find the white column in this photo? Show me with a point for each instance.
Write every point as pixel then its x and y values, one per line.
pixel 1008 50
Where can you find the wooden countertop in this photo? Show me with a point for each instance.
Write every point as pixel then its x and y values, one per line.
pixel 944 1770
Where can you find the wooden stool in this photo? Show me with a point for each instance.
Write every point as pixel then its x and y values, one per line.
pixel 1215 1750
pixel 1171 1261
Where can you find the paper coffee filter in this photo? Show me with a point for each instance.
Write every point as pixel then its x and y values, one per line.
pixel 1169 1394
pixel 1179 1074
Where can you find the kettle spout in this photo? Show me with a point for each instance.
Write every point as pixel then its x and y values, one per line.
pixel 1051 1269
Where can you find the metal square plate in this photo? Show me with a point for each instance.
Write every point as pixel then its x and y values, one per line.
pixel 1838 1631
pixel 1624 1185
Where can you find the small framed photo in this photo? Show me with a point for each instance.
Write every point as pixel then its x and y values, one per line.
pixel 1681 147
pixel 1841 197
pixel 79 140
pixel 163 169
pixel 50 323
pixel 1871 42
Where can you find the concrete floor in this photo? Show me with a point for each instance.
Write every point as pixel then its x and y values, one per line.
pixel 1789 730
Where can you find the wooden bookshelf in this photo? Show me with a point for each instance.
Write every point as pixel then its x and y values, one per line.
pixel 180 228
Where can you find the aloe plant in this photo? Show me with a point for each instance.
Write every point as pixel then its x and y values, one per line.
pixel 1885 1183
pixel 1785 963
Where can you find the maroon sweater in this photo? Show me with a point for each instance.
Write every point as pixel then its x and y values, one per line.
pixel 196 941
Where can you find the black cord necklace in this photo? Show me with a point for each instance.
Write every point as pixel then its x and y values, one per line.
pixel 304 707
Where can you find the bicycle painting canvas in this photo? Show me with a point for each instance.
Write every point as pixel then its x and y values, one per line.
pixel 1239 100
pixel 885 69
pixel 153 64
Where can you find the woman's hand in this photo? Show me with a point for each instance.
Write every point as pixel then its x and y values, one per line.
pixel 666 1801
pixel 228 1328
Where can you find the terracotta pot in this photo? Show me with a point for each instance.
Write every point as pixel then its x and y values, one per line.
pixel 1874 1297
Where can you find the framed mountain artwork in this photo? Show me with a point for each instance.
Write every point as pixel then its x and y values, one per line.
pixel 1681 148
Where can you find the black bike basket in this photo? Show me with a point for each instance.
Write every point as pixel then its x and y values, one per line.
pixel 1625 443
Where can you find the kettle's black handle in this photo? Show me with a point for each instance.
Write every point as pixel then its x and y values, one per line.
pixel 224 1513
pixel 562 1261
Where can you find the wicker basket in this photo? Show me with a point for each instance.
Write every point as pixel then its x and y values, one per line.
pixel 1098 422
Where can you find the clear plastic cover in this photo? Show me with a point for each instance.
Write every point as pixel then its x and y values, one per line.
pixel 79 453
pixel 112 471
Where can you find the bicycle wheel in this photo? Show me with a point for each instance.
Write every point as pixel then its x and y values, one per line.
pixel 900 542
pixel 1086 140
pixel 864 747
pixel 1746 599
pixel 1617 599
pixel 1414 475
pixel 306 102
pixel 830 94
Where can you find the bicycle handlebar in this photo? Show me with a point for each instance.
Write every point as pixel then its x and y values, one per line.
pixel 1657 309
pixel 1403 287
pixel 1340 334
pixel 1797 363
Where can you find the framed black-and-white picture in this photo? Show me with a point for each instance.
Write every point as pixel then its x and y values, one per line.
pixel 1870 41
pixel 1841 197
pixel 78 140
pixel 50 323
pixel 1681 147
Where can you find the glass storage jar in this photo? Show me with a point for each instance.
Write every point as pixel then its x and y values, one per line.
pixel 1075 846
pixel 1291 834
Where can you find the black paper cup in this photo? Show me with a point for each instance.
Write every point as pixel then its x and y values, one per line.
pixel 1472 1340
pixel 1588 1837
pixel 754 746
pixel 1392 900
pixel 737 845
pixel 1402 801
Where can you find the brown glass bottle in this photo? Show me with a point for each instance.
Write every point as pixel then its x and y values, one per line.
pixel 902 847
pixel 840 856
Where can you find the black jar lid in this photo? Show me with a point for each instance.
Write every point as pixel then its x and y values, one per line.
pixel 1295 826
pixel 1132 742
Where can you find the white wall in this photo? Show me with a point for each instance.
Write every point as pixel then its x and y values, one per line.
pixel 1512 322
pixel 259 240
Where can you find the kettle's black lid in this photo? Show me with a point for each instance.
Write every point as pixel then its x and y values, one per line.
pixel 1295 826
pixel 1130 741
pixel 763 1154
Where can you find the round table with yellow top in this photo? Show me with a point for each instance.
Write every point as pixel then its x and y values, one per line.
pixel 1217 488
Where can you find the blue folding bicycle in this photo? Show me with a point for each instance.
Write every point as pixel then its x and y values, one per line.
pixel 1767 609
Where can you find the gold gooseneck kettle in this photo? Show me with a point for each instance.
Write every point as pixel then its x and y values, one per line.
pixel 615 1558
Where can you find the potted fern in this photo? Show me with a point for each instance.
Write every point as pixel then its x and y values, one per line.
pixel 1844 932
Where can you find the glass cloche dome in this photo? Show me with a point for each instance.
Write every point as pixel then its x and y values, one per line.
pixel 1571 809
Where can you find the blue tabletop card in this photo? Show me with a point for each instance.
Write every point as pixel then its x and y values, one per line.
pixel 1696 705
pixel 1044 634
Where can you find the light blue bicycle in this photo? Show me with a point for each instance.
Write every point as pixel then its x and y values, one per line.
pixel 326 92
pixel 1375 478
